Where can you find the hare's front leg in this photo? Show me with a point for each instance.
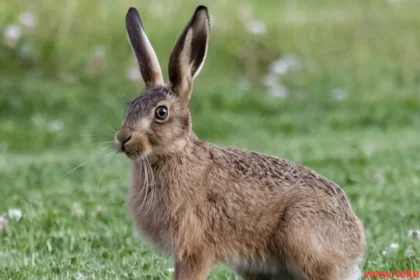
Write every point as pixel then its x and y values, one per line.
pixel 195 267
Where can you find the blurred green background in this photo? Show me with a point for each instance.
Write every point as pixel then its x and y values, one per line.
pixel 331 84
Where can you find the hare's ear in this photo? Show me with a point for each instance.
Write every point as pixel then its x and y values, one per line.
pixel 146 56
pixel 189 53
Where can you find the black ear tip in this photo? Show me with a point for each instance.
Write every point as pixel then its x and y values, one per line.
pixel 202 8
pixel 133 12
pixel 133 15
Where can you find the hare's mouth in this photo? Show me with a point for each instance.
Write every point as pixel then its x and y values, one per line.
pixel 133 145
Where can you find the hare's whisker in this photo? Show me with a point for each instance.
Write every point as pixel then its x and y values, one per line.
pixel 152 185
pixel 144 189
pixel 103 153
pixel 103 169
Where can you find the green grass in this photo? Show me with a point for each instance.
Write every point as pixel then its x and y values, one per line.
pixel 368 143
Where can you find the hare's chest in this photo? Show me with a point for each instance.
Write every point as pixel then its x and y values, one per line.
pixel 151 217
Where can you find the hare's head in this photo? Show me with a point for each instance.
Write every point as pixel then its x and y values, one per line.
pixel 158 121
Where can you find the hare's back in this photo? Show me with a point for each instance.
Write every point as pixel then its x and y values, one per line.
pixel 273 173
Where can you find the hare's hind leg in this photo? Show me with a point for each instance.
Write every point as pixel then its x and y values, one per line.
pixel 355 273
pixel 312 261
pixel 321 245
pixel 312 265
pixel 329 271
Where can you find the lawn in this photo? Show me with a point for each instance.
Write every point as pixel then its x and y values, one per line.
pixel 346 104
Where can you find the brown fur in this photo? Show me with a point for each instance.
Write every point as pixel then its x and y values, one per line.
pixel 202 204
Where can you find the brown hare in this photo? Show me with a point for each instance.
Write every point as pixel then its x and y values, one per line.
pixel 266 217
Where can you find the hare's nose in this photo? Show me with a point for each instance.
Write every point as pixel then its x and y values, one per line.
pixel 123 136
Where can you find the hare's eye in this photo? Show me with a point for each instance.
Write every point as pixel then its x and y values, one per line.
pixel 161 113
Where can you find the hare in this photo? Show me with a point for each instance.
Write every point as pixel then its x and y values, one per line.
pixel 202 204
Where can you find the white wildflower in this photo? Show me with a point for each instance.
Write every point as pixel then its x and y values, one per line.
pixel 55 125
pixel 368 149
pixel 284 65
pixel 278 91
pixel 409 253
pixel 99 51
pixel 414 234
pixel 14 214
pixel 394 246
pixel 279 67
pixel 171 269
pixel 293 61
pixel 270 80
pixel 133 74
pixel 77 210
pixel 80 276
pixel 4 224
pixel 11 35
pixel 275 89
pixel 98 210
pixel 27 20
pixel 391 247
pixel 256 27
pixel 340 94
